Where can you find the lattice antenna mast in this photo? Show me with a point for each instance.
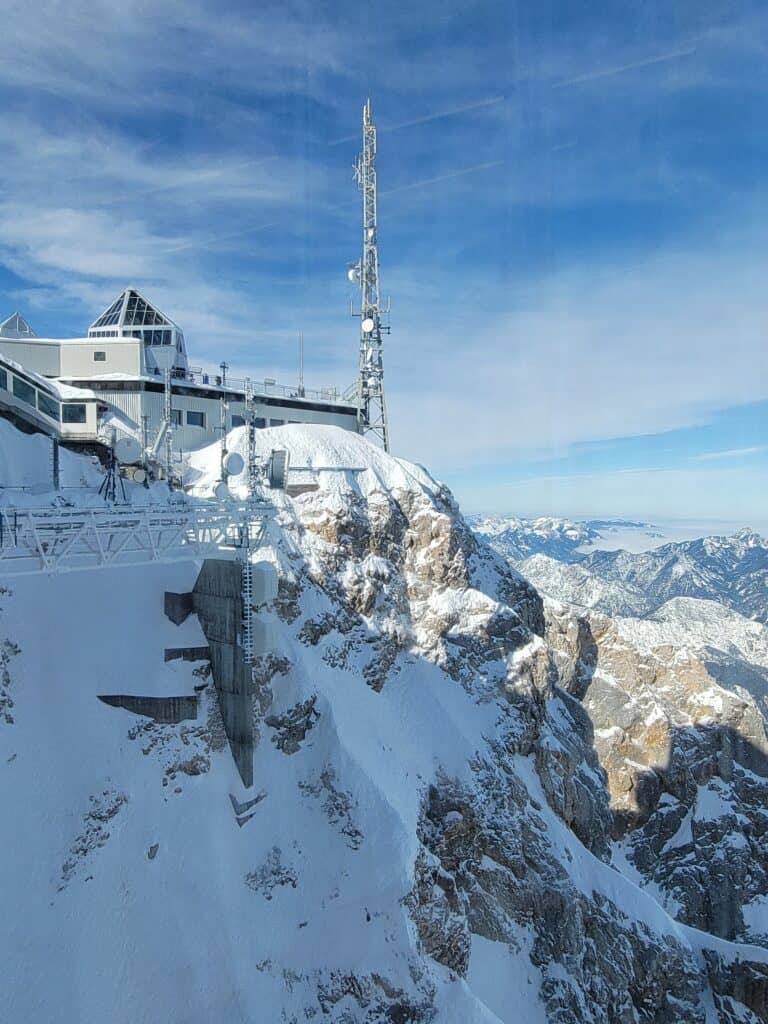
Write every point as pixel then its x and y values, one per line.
pixel 371 405
pixel 168 421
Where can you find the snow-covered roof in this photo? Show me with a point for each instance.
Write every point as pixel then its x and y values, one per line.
pixel 48 384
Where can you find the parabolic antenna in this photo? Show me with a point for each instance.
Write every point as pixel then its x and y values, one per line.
pixel 367 325
pixel 221 491
pixel 127 449
pixel 234 463
pixel 277 469
pixel 139 476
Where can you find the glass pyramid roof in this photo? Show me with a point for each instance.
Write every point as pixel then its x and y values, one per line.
pixel 130 309
pixel 16 327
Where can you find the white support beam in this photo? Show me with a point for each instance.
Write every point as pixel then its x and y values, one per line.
pixel 62 540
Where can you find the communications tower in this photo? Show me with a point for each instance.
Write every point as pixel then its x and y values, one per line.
pixel 371 405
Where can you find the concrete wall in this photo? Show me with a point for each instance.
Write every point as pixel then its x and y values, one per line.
pixel 165 710
pixel 121 355
pixel 54 357
pixel 37 355
pixel 217 601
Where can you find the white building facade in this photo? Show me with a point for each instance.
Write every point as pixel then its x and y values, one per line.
pixel 121 369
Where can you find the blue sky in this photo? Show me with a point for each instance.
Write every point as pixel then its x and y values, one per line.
pixel 573 221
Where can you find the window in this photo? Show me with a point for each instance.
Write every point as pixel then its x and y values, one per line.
pixel 176 419
pixel 24 391
pixel 276 423
pixel 195 419
pixel 237 421
pixel 99 357
pixel 73 412
pixel 47 405
pixel 3 380
pixel 112 315
pixel 259 421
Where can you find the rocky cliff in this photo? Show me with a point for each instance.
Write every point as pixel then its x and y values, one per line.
pixel 436 832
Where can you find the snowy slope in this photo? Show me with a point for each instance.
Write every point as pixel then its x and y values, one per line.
pixel 572 583
pixel 433 837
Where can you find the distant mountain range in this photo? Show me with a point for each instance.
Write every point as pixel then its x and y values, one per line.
pixel 517 538
pixel 732 570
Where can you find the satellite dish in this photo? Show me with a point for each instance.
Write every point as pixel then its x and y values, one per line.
pixel 352 273
pixel 367 325
pixel 277 469
pixel 234 463
pixel 221 491
pixel 139 476
pixel 127 449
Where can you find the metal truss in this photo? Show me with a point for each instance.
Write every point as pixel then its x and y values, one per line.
pixel 371 404
pixel 61 540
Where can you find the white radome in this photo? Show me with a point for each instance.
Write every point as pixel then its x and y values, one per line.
pixel 234 464
pixel 127 449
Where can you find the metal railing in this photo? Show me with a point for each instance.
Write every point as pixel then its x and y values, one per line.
pixel 266 387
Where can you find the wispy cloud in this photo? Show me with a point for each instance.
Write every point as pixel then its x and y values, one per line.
pixel 731 453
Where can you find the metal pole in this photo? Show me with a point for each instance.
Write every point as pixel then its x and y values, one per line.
pixel 168 416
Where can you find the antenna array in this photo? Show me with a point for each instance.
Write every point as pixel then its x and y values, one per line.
pixel 371 404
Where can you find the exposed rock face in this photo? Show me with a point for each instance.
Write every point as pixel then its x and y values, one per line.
pixel 686 758
pixel 406 577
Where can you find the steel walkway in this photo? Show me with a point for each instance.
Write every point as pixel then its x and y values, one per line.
pixel 34 540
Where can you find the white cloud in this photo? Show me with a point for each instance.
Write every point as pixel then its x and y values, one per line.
pixel 588 354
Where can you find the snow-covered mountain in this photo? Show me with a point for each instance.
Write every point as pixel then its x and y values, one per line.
pixel 436 831
pixel 732 570
pixel 518 538
pixel 575 584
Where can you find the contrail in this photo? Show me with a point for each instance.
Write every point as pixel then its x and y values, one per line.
pixel 491 101
pixel 222 238
pixel 442 177
pixel 590 76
